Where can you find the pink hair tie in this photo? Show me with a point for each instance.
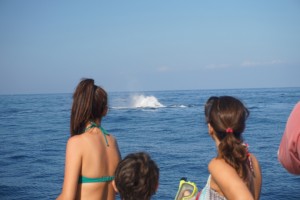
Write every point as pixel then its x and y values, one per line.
pixel 229 130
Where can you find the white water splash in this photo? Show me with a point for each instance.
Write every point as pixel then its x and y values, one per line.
pixel 141 101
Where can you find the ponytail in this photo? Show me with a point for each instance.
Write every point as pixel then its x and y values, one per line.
pixel 234 152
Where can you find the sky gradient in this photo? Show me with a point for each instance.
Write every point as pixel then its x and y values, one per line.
pixel 48 46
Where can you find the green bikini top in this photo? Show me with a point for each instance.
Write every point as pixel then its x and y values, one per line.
pixel 83 179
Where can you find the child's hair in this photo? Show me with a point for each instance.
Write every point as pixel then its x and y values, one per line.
pixel 136 177
pixel 89 103
pixel 227 115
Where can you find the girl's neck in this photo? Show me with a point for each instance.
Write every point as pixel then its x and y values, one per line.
pixel 96 121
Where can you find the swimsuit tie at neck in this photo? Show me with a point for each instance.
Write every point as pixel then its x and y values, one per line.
pixel 94 125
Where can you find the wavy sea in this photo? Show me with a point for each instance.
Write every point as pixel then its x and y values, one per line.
pixel 169 125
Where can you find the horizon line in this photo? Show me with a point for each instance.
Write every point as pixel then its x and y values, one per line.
pixel 166 90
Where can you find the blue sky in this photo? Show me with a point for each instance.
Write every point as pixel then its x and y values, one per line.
pixel 48 46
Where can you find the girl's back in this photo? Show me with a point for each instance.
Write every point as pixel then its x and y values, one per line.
pixel 99 160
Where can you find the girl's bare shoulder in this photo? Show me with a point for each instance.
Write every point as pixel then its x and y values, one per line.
pixel 218 163
pixel 74 142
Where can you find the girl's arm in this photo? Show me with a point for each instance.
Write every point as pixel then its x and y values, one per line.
pixel 228 181
pixel 72 169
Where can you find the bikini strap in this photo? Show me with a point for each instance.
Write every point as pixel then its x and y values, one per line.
pixel 105 133
pixel 94 125
pixel 249 157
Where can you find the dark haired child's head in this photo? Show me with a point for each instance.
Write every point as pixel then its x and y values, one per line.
pixel 226 114
pixel 136 177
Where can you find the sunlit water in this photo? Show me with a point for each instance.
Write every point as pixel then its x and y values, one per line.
pixel 168 124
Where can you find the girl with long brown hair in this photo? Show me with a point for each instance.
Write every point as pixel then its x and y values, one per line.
pixel 92 154
pixel 234 172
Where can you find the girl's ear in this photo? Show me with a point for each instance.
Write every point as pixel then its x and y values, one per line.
pixel 114 186
pixel 212 133
pixel 210 129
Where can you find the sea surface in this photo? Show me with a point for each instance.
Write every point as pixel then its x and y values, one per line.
pixel 169 125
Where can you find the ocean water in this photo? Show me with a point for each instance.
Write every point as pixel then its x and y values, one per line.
pixel 169 125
